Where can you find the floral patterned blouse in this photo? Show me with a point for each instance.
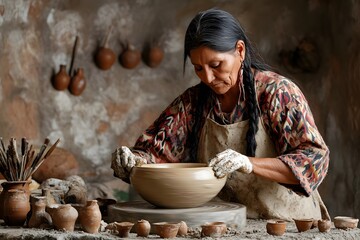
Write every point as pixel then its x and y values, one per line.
pixel 285 114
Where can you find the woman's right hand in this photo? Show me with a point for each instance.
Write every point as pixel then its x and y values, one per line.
pixel 123 160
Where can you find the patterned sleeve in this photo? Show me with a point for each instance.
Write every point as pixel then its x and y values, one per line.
pixel 166 139
pixel 299 142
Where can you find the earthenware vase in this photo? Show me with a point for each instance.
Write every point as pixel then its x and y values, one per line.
pixel 90 217
pixel 12 185
pixel 39 217
pixel 16 207
pixel 143 228
pixel 61 79
pixel 78 83
pixel 64 217
pixel 105 57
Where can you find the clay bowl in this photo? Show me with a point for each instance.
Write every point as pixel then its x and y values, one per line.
pixel 345 222
pixel 303 225
pixel 166 229
pixel 176 185
pixel 213 229
pixel 276 227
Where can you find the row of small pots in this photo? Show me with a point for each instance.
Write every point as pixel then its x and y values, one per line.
pixel 278 227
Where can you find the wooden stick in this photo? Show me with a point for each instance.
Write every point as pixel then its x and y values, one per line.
pixel 73 56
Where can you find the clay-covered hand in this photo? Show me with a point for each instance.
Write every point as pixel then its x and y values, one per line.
pixel 123 160
pixel 229 161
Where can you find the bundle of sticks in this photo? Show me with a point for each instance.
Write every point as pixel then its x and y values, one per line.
pixel 20 168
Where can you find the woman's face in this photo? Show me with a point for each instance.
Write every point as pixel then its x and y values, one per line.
pixel 218 70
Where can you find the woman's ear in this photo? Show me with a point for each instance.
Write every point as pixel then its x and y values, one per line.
pixel 240 48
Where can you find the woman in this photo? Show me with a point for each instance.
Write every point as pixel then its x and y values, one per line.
pixel 244 121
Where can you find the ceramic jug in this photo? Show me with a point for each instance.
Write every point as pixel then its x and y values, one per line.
pixel 63 217
pixel 39 217
pixel 12 185
pixel 16 207
pixel 90 217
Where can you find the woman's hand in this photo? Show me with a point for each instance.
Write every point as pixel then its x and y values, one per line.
pixel 229 161
pixel 123 160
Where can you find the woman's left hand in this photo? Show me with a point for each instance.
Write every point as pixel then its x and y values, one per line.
pixel 229 161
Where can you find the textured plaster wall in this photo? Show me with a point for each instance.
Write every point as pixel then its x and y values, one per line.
pixel 36 36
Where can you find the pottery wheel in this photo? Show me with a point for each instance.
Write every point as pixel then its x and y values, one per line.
pixel 234 215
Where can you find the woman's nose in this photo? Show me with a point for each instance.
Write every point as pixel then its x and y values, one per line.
pixel 209 76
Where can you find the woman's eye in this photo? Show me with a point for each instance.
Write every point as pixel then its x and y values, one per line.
pixel 197 68
pixel 215 65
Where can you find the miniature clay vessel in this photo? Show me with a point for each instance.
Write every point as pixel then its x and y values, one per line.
pixel 153 56
pixel 143 228
pixel 12 185
pixel 39 217
pixel 303 224
pixel 343 222
pixel 63 216
pixel 213 229
pixel 166 229
pixel 163 184
pixel 16 207
pixel 90 217
pixel 78 83
pixel 130 57
pixel 183 229
pixel 105 57
pixel 61 79
pixel 124 228
pixel 324 225
pixel 276 227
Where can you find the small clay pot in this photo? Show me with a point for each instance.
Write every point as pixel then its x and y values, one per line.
pixel 183 229
pixel 63 216
pixel 130 57
pixel 166 229
pixel 124 228
pixel 78 83
pixel 61 79
pixel 213 229
pixel 303 224
pixel 343 222
pixel 39 217
pixel 153 56
pixel 105 58
pixel 276 227
pixel 16 207
pixel 143 228
pixel 90 217
pixel 324 225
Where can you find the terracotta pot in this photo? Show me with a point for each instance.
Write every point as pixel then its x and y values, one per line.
pixel 154 56
pixel 276 227
pixel 124 228
pixel 130 57
pixel 61 79
pixel 105 58
pixel 39 217
pixel 78 83
pixel 166 229
pixel 324 225
pixel 213 229
pixel 16 207
pixel 12 185
pixel 164 184
pixel 63 217
pixel 143 228
pixel 90 217
pixel 303 224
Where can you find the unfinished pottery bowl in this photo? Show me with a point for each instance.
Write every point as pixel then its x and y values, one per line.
pixel 276 227
pixel 176 185
pixel 213 229
pixel 343 222
pixel 166 229
pixel 303 224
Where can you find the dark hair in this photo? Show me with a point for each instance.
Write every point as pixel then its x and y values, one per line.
pixel 220 31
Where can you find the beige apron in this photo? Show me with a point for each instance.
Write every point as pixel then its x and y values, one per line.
pixel 263 198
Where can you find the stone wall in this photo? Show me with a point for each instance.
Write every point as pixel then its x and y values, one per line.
pixel 37 36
